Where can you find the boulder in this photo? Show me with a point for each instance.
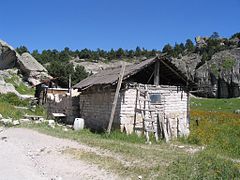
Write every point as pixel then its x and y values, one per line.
pixel 24 120
pixel 6 121
pixel 7 87
pixel 33 71
pixel 51 123
pixel 28 64
pixel 8 56
pixel 15 122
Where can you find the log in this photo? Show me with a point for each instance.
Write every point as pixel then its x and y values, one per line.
pixel 116 97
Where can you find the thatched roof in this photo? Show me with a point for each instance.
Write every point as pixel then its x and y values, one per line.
pixel 110 76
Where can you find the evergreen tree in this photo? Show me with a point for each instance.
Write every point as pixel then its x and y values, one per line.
pixel 120 53
pixel 189 45
pixel 22 49
pixel 215 35
pixel 79 74
pixel 138 51
pixel 168 49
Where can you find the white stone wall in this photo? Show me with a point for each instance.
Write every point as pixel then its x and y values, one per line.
pixel 127 110
pixel 95 108
pixel 175 111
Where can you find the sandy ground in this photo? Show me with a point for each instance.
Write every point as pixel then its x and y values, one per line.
pixel 27 154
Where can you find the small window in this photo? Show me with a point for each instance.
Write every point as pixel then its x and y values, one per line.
pixel 155 98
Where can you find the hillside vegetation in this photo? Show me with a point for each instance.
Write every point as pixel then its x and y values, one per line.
pixel 59 62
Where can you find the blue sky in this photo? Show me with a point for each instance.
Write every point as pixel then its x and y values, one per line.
pixel 106 24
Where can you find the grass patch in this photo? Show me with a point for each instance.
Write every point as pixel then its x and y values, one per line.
pixel 218 105
pixel 218 130
pixel 217 126
pixel 204 165
pixel 9 101
pixel 13 99
pixel 19 85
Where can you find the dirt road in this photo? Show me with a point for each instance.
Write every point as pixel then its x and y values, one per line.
pixel 27 154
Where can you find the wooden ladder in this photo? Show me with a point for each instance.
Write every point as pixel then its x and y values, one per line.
pixel 149 123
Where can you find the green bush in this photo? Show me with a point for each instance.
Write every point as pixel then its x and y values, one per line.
pixel 13 99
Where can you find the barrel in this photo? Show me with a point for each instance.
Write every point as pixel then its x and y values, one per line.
pixel 78 124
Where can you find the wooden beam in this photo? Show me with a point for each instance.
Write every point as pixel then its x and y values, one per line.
pixel 116 97
pixel 156 73
pixel 175 72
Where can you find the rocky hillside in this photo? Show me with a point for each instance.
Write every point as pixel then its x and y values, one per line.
pixel 19 72
pixel 212 63
pixel 219 77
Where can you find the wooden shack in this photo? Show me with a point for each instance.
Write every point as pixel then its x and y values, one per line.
pixel 153 92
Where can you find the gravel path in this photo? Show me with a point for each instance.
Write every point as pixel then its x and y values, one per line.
pixel 27 154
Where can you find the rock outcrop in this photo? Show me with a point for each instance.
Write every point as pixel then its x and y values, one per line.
pixel 95 67
pixel 188 64
pixel 218 77
pixel 4 86
pixel 33 71
pixel 8 56
pixel 26 67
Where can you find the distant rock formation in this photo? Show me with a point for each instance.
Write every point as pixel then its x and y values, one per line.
pixel 218 77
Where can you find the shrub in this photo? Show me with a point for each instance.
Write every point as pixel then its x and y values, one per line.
pixel 13 99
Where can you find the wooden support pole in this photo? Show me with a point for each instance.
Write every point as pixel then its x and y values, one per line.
pixel 116 97
pixel 156 73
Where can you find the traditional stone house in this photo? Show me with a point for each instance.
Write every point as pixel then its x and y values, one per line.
pixel 163 84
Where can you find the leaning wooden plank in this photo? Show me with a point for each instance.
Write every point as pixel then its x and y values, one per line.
pixel 116 97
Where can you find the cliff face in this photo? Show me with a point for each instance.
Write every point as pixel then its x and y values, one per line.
pixel 218 77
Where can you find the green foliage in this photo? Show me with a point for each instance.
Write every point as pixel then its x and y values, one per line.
pixel 215 35
pixel 206 165
pixel 178 49
pixel 63 70
pixel 217 126
pixel 87 54
pixel 22 49
pixel 189 45
pixel 168 49
pixel 215 69
pixel 236 35
pixel 228 63
pixel 19 85
pixel 10 100
pixel 215 105
pixel 79 74
pixel 117 135
pixel 13 99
